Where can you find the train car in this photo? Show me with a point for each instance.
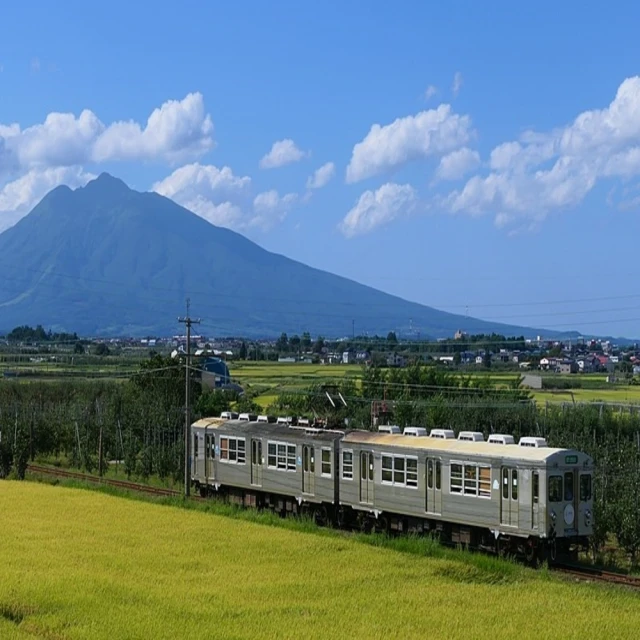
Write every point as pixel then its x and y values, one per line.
pixel 523 498
pixel 263 464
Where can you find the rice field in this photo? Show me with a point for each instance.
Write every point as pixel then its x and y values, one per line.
pixel 273 378
pixel 82 564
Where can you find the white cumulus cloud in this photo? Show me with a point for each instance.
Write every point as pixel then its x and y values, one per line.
pixel 269 208
pixel 457 163
pixel 429 133
pixel 548 171
pixel 225 199
pixel 177 130
pixel 217 195
pixel 321 176
pixel 282 152
pixel 19 196
pixel 375 208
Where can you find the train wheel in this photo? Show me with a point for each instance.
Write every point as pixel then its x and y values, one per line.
pixel 320 516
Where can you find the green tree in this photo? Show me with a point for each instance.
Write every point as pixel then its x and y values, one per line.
pixel 102 349
pixel 282 344
pixel 391 337
pixel 242 354
pixel 306 341
pixel 318 345
pixel 78 348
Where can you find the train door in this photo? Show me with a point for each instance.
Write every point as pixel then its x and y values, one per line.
pixel 434 486
pixel 535 499
pixel 308 468
pixel 256 462
pixel 571 510
pixel 209 456
pixel 194 455
pixel 509 499
pixel 366 477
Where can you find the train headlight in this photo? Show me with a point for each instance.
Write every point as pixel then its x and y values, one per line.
pixel 587 517
pixel 553 515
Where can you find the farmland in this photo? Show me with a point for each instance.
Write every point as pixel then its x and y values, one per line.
pixel 269 379
pixel 79 564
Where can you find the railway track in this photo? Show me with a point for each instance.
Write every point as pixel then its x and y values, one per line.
pixel 120 484
pixel 593 574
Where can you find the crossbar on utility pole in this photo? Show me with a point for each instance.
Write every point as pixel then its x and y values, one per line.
pixel 188 321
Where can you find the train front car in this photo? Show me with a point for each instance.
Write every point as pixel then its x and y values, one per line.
pixel 568 502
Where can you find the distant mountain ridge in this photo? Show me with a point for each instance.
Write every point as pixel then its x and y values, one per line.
pixel 107 260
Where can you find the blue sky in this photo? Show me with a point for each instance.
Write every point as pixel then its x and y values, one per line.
pixel 485 157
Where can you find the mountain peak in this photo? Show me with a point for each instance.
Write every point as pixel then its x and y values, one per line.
pixel 107 181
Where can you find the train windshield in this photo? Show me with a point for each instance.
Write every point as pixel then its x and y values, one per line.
pixel 555 488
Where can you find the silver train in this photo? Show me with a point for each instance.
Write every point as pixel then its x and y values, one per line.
pixel 525 499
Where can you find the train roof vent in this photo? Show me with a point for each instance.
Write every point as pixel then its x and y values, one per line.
pixel 283 420
pixel 263 418
pixel 471 436
pixel 501 438
pixel 388 428
pixel 247 417
pixel 442 434
pixel 414 431
pixel 229 415
pixel 303 422
pixel 532 442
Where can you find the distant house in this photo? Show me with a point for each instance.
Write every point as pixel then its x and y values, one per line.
pixel 286 359
pixel 362 356
pixel 588 364
pixel 348 357
pixel 567 366
pixel 396 360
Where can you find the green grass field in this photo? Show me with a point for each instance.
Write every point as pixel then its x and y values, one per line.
pixel 81 564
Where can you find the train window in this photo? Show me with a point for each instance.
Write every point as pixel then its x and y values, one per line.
pixel 232 450
pixel 568 485
pixel 326 462
pixel 585 487
pixel 470 480
pixel 455 485
pixel 347 465
pixel 371 467
pixel 271 454
pixel 430 474
pixel 195 445
pixel 514 484
pixel 412 472
pixel 312 460
pixel 280 455
pixel 555 488
pixel 212 446
pixel 505 484
pixel 398 470
pixel 535 488
pixel 484 482
pixel 291 457
pixel 363 465
pixel 438 475
pixel 387 469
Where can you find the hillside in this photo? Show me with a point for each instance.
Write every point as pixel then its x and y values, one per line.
pixel 107 260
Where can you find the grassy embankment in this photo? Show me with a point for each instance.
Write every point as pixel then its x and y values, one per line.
pixel 80 564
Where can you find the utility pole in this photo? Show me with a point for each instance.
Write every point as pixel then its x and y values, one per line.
pixel 188 321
